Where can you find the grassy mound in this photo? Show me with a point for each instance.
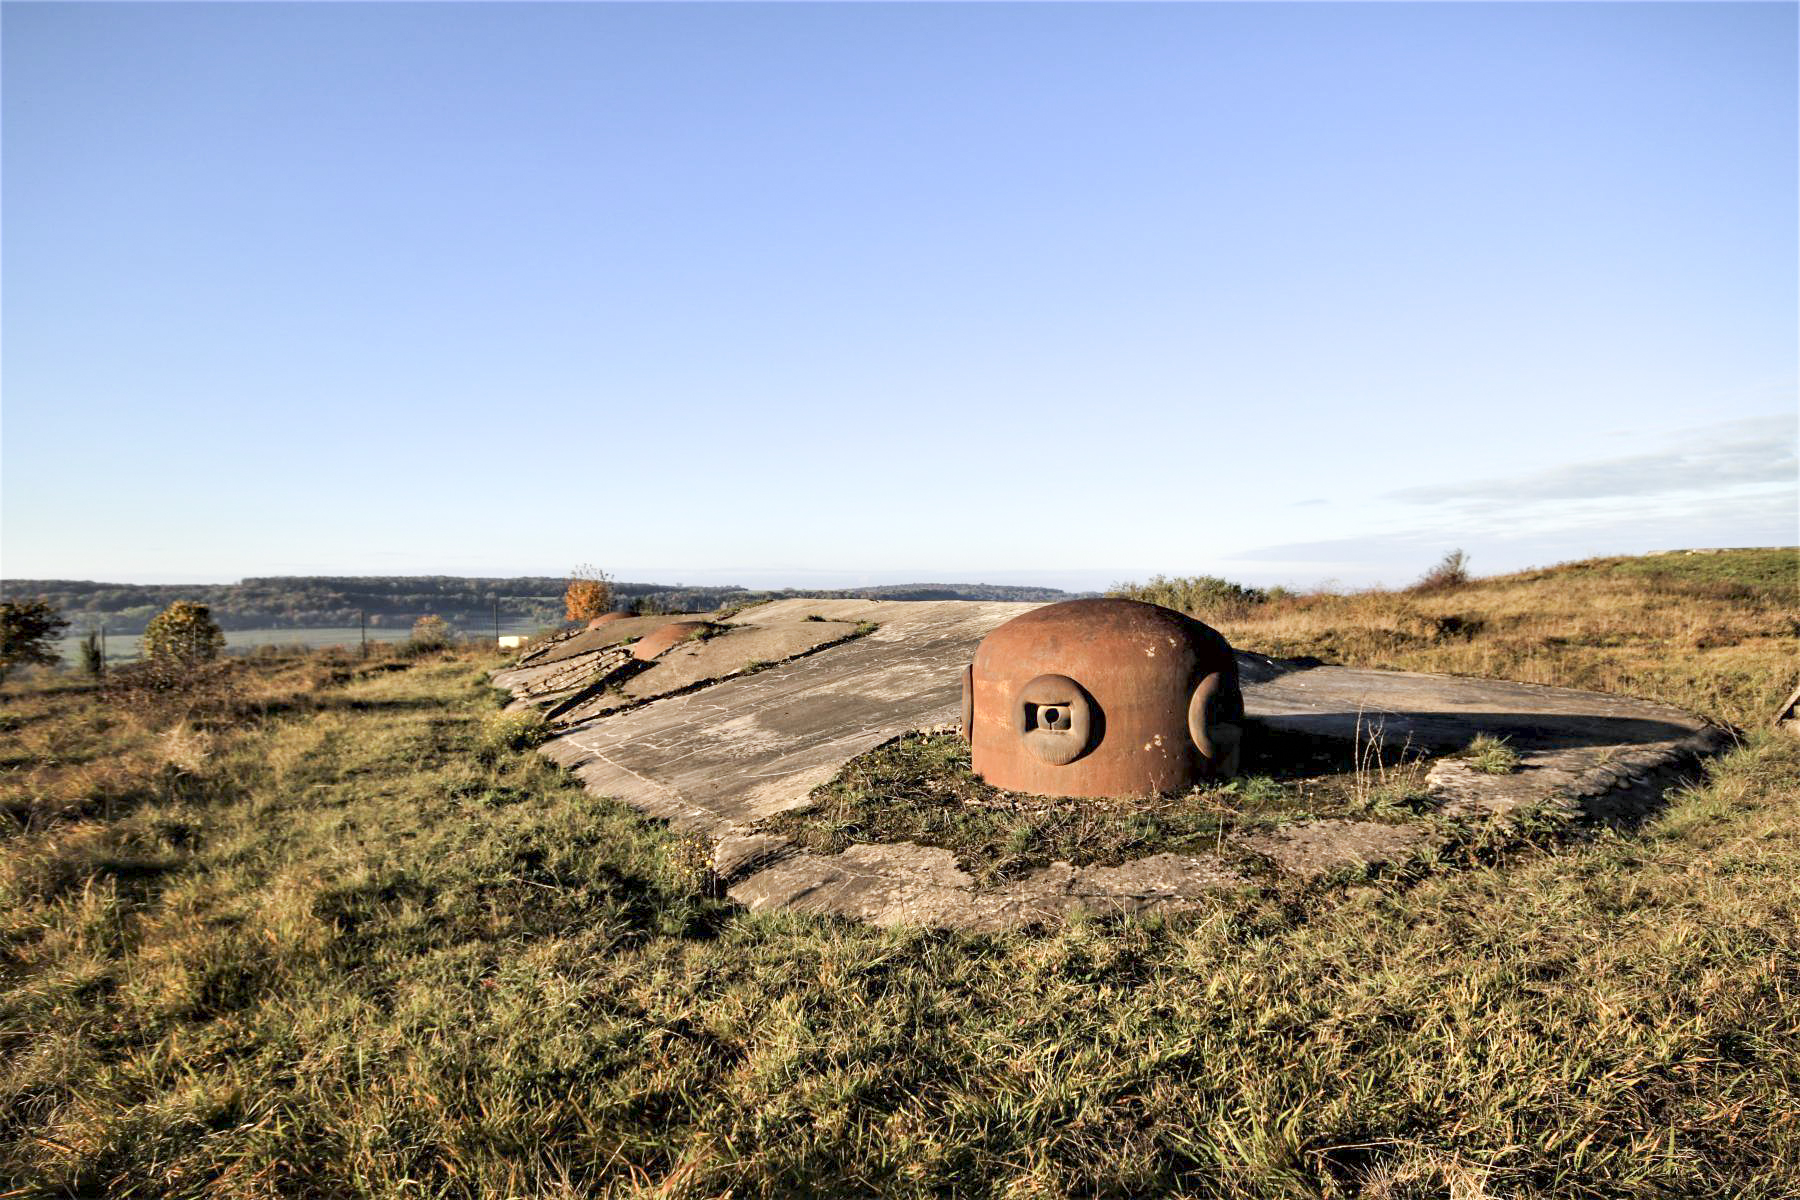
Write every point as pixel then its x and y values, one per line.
pixel 1715 633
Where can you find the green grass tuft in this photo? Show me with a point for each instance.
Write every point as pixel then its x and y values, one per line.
pixel 1491 755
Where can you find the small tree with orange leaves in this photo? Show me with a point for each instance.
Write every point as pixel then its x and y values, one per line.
pixel 589 593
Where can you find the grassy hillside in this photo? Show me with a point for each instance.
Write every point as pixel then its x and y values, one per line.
pixel 329 928
pixel 1712 632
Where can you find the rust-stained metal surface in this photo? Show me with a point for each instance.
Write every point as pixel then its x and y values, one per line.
pixel 669 636
pixel 608 619
pixel 1103 698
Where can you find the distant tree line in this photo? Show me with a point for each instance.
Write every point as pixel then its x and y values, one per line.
pixel 322 601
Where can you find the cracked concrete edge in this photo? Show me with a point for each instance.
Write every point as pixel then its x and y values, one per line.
pixel 573 711
pixel 1599 782
pixel 1309 850
pixel 550 687
pixel 908 884
pixel 542 649
pixel 557 651
pixel 1625 783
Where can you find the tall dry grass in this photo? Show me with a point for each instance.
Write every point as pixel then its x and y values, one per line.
pixel 1717 634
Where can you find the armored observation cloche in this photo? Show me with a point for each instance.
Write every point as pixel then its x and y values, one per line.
pixel 666 637
pixel 1102 698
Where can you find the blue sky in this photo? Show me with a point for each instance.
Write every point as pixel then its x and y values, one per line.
pixel 822 294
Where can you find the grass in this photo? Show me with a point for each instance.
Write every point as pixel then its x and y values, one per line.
pixel 321 947
pixel 1491 755
pixel 1712 633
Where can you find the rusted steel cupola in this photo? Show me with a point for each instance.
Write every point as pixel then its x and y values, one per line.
pixel 666 637
pixel 1102 698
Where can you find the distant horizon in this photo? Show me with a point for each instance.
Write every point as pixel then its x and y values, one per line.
pixel 754 579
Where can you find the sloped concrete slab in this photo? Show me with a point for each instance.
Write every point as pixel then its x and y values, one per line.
pixel 1603 755
pixel 561 652
pixel 756 745
pixel 741 648
pixel 1443 713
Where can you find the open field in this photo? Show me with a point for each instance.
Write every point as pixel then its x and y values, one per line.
pixel 124 647
pixel 329 928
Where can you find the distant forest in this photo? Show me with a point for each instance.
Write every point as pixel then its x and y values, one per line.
pixel 324 601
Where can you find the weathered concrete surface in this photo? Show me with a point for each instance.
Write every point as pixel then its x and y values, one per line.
pixel 579 645
pixel 1442 713
pixel 719 759
pixel 1598 755
pixel 1314 848
pixel 666 637
pixel 733 652
pixel 756 745
pixel 552 683
pixel 911 884
pixel 1601 754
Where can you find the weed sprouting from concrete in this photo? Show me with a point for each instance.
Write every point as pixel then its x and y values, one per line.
pixel 1491 755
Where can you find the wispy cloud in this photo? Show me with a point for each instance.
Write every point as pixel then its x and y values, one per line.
pixel 1765 518
pixel 1735 483
pixel 1735 454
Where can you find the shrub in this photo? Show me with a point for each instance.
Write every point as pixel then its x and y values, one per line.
pixel 685 866
pixel 507 732
pixel 588 595
pixel 182 635
pixel 430 632
pixel 1452 571
pixel 161 691
pixel 1195 594
pixel 93 662
pixel 28 633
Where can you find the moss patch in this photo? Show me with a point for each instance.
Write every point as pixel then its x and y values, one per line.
pixel 920 788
